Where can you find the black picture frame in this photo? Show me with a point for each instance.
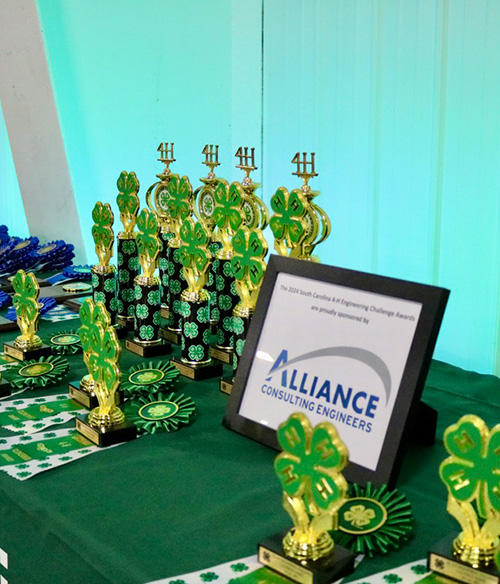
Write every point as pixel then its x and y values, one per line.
pixel 407 403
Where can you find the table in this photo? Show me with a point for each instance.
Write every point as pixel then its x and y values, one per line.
pixel 169 504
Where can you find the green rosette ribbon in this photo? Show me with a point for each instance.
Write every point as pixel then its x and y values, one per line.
pixel 147 379
pixel 374 520
pixel 37 372
pixel 160 413
pixel 64 343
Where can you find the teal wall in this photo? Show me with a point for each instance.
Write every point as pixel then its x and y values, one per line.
pixel 399 100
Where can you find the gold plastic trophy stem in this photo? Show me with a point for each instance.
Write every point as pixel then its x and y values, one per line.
pixel 27 339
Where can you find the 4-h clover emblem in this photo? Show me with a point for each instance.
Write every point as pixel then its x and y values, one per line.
pixel 148 243
pixel 196 352
pixel 146 332
pixel 472 475
pixel 190 330
pixel 194 253
pixel 102 232
pixel 227 213
pixel 309 469
pixel 25 301
pixel 248 265
pixel 288 222
pixel 179 202
pixel 127 200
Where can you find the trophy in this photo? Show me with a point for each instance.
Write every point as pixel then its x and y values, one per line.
pixel 106 424
pixel 195 361
pixel 250 248
pixel 104 275
pixel 157 200
pixel 228 219
pixel 180 207
pixel 147 341
pixel 128 262
pixel 472 476
pixel 256 214
pixel 309 469
pixel 83 391
pixel 298 224
pixel 28 344
pixel 204 211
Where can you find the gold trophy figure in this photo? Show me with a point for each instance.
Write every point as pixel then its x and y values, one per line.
pixel 157 197
pixel 147 341
pixel 248 265
pixel 256 214
pixel 83 391
pixel 106 424
pixel 28 344
pixel 298 224
pixel 472 476
pixel 309 469
pixel 128 262
pixel 195 361
pixel 104 274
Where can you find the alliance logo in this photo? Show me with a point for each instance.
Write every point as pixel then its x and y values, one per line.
pixel 320 394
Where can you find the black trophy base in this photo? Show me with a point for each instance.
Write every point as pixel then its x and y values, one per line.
pixel 144 350
pixel 224 355
pixel 121 331
pixel 75 304
pixel 165 312
pixel 7 325
pixel 442 561
pixel 323 571
pixel 226 385
pixel 26 354
pixel 126 322
pixel 173 337
pixel 197 372
pixel 88 399
pixel 4 388
pixel 106 436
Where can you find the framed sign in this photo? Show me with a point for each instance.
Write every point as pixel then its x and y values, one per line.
pixel 346 347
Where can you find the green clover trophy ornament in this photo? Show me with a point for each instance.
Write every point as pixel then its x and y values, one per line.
pixel 106 424
pixel 28 344
pixel 204 210
pixel 180 207
pixel 309 469
pixel 157 197
pixel 83 391
pixel 128 261
pixel 104 274
pixel 248 266
pixel 297 223
pixel 195 361
pixel 147 341
pixel 472 476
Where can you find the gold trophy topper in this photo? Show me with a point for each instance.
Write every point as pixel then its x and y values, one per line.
pixel 27 307
pixel 157 195
pixel 256 214
pixel 195 255
pixel 205 195
pixel 102 232
pixel 250 249
pixel 148 244
pixel 309 469
pixel 128 202
pixel 472 476
pixel 90 315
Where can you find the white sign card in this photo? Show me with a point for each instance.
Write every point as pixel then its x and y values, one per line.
pixel 336 351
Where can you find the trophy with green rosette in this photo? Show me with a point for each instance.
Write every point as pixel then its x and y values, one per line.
pixel 204 211
pixel 128 261
pixel 104 274
pixel 28 344
pixel 309 469
pixel 83 391
pixel 472 476
pixel 195 361
pixel 157 200
pixel 228 219
pixel 297 223
pixel 180 206
pixel 248 265
pixel 106 424
pixel 147 341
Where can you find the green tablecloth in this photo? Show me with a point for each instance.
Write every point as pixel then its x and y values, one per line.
pixel 169 504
